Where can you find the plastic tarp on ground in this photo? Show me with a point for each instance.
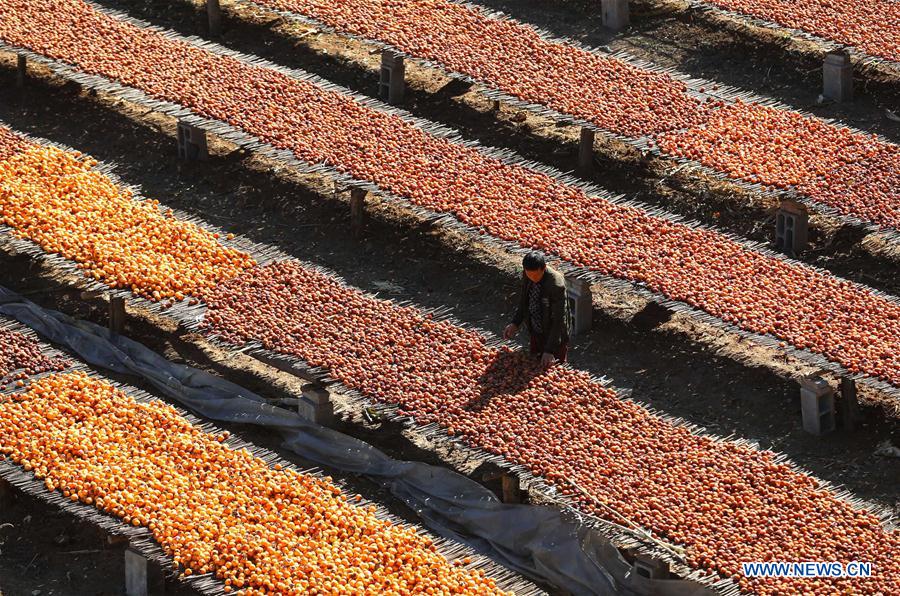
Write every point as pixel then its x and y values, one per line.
pixel 538 542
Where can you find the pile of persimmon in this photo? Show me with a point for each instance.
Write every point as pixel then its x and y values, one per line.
pixel 57 200
pixel 873 26
pixel 809 309
pixel 777 147
pixel 515 59
pixel 854 173
pixel 21 357
pixel 213 509
pixel 726 503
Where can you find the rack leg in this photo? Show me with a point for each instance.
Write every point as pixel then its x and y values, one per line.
pixel 7 493
pixel 615 14
pixel 849 404
pixel 837 77
pixel 586 151
pixel 21 70
pixel 357 210
pixel 214 14
pixel 116 314
pixel 135 573
pixel 512 492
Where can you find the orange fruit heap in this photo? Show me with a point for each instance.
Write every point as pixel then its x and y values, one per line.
pixel 726 503
pixel 856 174
pixel 55 199
pixel 214 509
pixel 512 57
pixel 798 305
pixel 873 26
pixel 770 146
pixel 21 357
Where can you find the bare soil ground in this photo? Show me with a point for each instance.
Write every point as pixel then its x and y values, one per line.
pixel 678 367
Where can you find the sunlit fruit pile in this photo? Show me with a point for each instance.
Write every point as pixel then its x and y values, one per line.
pixel 784 149
pixel 725 502
pixel 613 94
pixel 776 147
pixel 214 509
pixel 55 199
pixel 799 305
pixel 21 357
pixel 869 185
pixel 873 26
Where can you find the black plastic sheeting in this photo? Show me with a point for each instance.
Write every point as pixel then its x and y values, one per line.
pixel 537 542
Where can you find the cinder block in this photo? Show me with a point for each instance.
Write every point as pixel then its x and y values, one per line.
pixel 316 394
pixel 650 568
pixel 392 83
pixel 586 151
pixel 817 405
pixel 615 14
pixel 837 77
pixel 314 412
pixel 191 142
pixel 135 573
pixel 791 227
pixel 580 304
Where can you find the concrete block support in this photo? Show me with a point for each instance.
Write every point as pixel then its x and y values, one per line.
pixel 135 573
pixel 650 568
pixel 817 405
pixel 357 210
pixel 392 84
pixel 848 404
pixel 214 14
pixel 615 14
pixel 21 70
pixel 580 304
pixel 837 77
pixel 191 142
pixel 586 151
pixel 315 405
pixel 116 314
pixel 791 227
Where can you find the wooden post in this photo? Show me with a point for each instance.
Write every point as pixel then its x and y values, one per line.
pixel 849 404
pixel 357 210
pixel 512 493
pixel 116 314
pixel 214 13
pixel 586 151
pixel 21 70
